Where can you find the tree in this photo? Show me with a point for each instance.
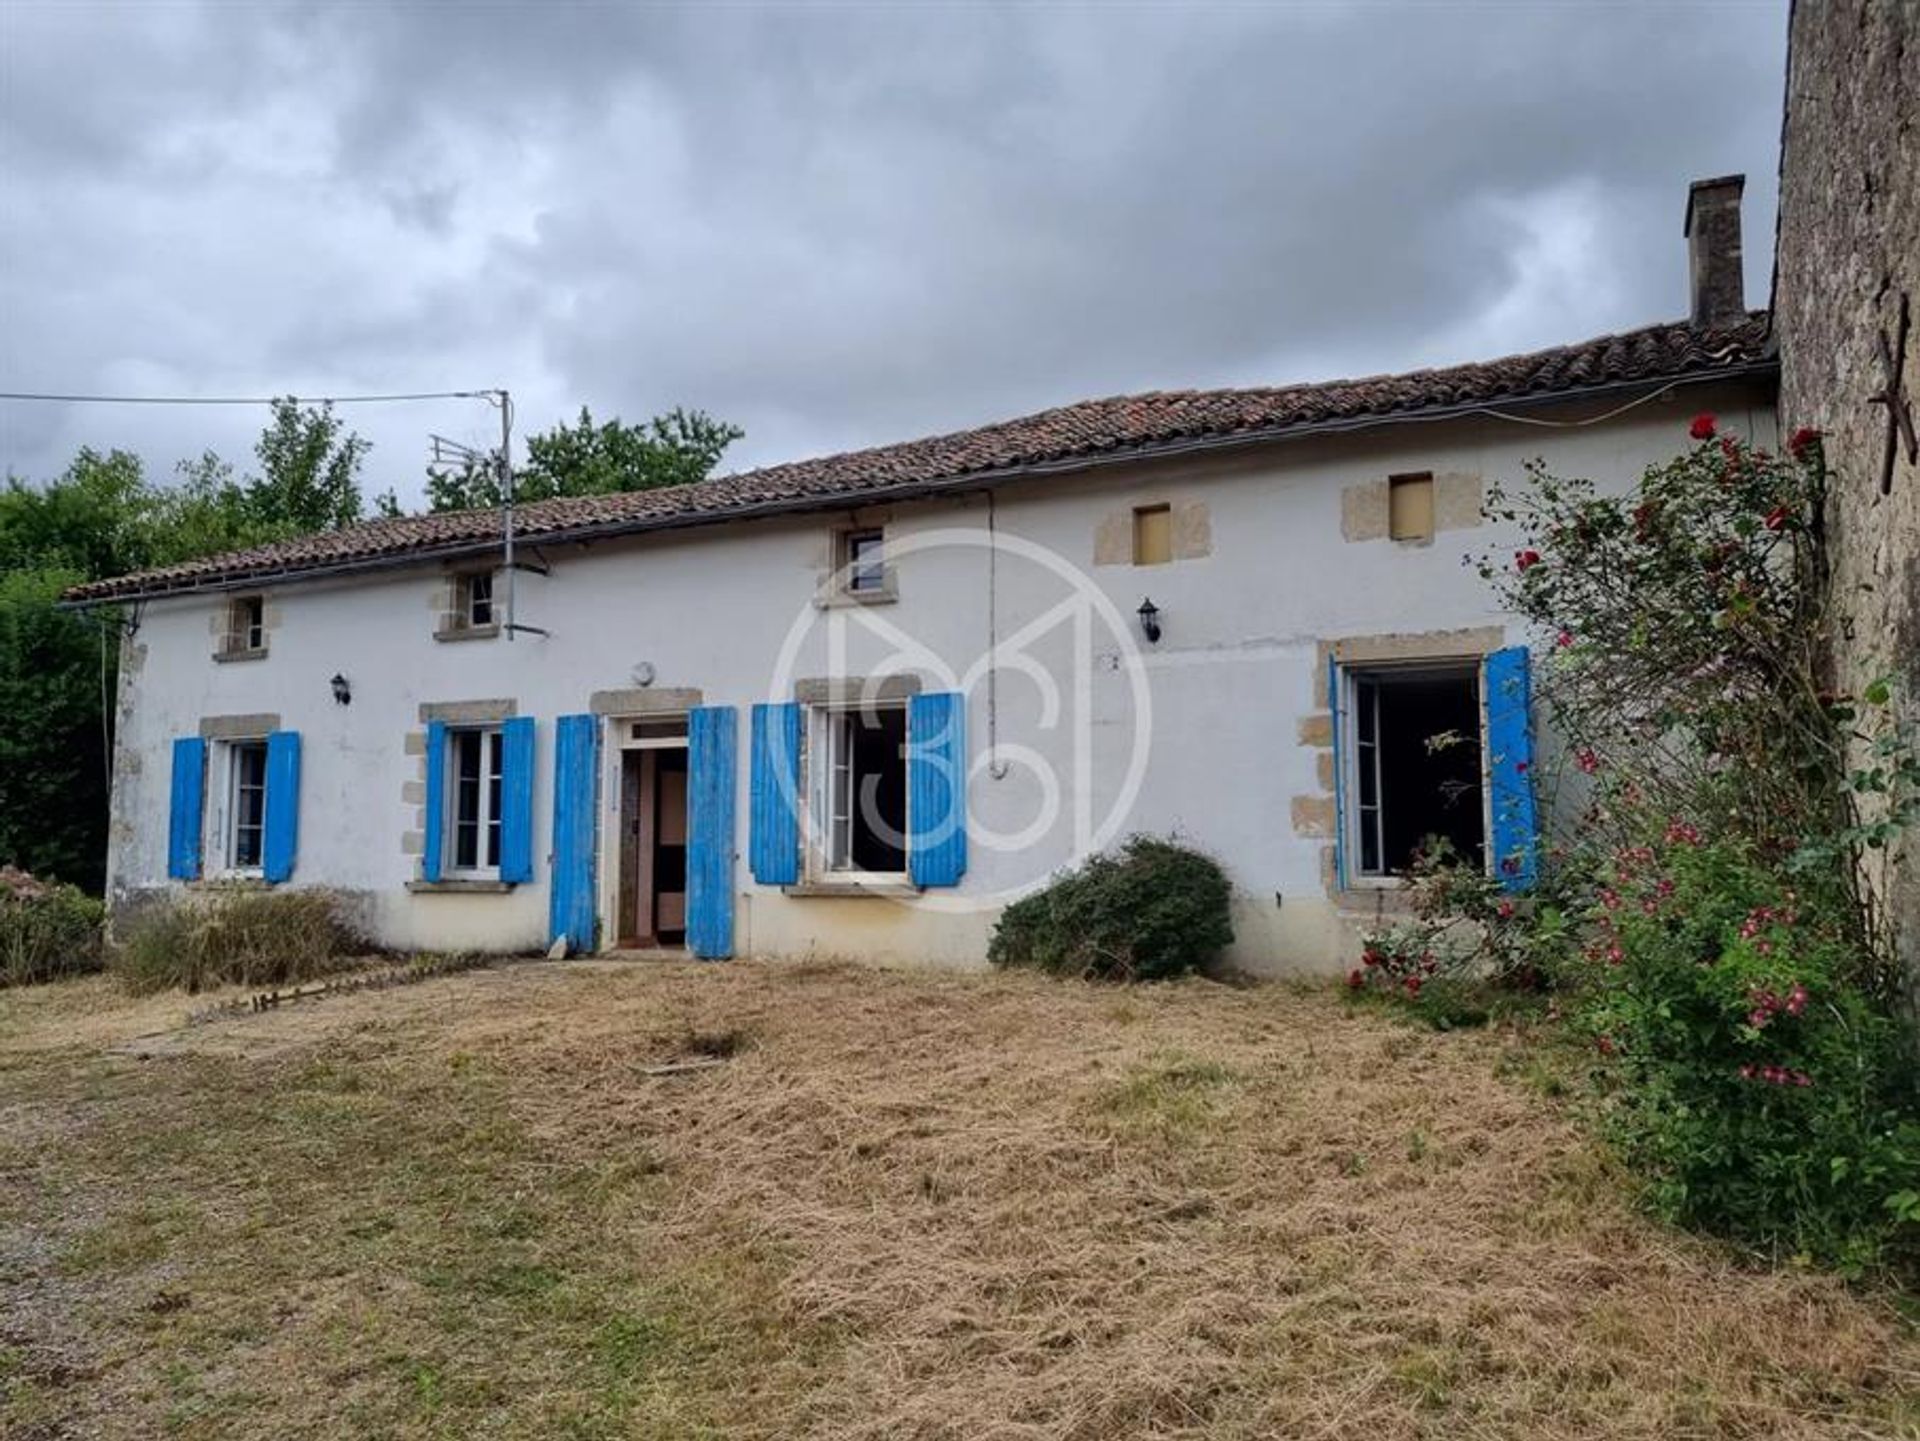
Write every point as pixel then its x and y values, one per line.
pixel 102 517
pixel 677 448
pixel 310 468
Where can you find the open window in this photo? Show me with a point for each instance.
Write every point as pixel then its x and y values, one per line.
pixel 1414 760
pixel 243 634
pixel 475 762
pixel 243 811
pixel 859 791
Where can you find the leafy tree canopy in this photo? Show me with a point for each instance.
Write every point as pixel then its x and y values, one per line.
pixel 591 458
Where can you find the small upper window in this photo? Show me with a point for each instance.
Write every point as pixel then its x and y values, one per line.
pixel 1410 506
pixel 246 629
pixel 1152 534
pixel 865 563
pixel 476 598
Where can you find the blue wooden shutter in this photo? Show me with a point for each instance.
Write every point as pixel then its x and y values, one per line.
pixel 283 806
pixel 710 761
pixel 572 912
pixel 1339 778
pixel 937 788
pixel 183 818
pixel 516 800
pixel 773 834
pixel 1515 829
pixel 436 800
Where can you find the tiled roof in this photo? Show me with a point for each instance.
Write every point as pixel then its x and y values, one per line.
pixel 1069 437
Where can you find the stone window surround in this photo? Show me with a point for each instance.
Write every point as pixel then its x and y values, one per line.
pixel 450 616
pixel 221 625
pixel 1192 528
pixel 413 792
pixel 1365 508
pixel 830 592
pixel 1315 815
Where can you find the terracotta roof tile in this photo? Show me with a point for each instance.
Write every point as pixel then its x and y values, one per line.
pixel 1058 438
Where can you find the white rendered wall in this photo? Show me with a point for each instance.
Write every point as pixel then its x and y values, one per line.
pixel 1235 672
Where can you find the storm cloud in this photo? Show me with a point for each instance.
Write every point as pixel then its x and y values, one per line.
pixel 833 226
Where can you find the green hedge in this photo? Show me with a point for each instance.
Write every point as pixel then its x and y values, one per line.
pixel 46 931
pixel 1150 910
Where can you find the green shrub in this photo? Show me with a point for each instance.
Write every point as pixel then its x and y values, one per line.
pixel 1749 1078
pixel 267 938
pixel 46 931
pixel 1151 910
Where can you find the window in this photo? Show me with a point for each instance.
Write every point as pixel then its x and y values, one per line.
pixel 473 599
pixel 473 806
pixel 1414 769
pixel 1152 534
pixel 246 807
pixel 862 789
pixel 246 631
pixel 1410 506
pixel 863 561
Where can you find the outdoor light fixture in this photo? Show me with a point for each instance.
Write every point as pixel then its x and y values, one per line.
pixel 342 692
pixel 1149 614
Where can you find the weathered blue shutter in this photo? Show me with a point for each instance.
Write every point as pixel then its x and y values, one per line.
pixel 937 788
pixel 183 818
pixel 1515 829
pixel 282 819
pixel 436 800
pixel 773 833
pixel 571 910
pixel 516 800
pixel 710 761
pixel 1339 778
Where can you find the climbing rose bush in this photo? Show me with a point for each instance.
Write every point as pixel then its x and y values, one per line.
pixel 1698 909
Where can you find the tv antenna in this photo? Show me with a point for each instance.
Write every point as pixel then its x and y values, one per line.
pixel 442 451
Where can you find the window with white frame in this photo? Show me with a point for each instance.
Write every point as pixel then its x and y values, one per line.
pixel 472 820
pixel 859 790
pixel 244 808
pixel 473 593
pixel 1414 759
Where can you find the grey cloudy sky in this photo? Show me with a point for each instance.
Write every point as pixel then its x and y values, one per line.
pixel 835 226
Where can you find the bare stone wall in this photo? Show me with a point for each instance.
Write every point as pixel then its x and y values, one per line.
pixel 1849 248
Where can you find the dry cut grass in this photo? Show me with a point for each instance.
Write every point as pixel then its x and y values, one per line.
pixel 901 1205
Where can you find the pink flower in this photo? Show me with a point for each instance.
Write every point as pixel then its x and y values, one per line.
pixel 1776 518
pixel 1505 910
pixel 1703 426
pixel 1525 560
pixel 1796 1000
pixel 1605 1045
pixel 1356 979
pixel 1564 639
pixel 1586 760
pixel 1802 440
pixel 1413 985
pixel 1746 1073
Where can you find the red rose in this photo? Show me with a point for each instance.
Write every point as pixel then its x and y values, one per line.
pixel 1564 639
pixel 1355 980
pixel 1702 427
pixel 1525 560
pixel 1776 518
pixel 1803 440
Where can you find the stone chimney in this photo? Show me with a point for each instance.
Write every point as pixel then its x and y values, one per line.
pixel 1713 251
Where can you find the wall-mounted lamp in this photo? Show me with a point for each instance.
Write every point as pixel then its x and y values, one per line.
pixel 342 692
pixel 1149 614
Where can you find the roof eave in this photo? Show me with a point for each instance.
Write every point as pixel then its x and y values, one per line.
pixel 962 483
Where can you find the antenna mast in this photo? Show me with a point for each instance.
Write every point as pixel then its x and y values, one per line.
pixel 450 452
